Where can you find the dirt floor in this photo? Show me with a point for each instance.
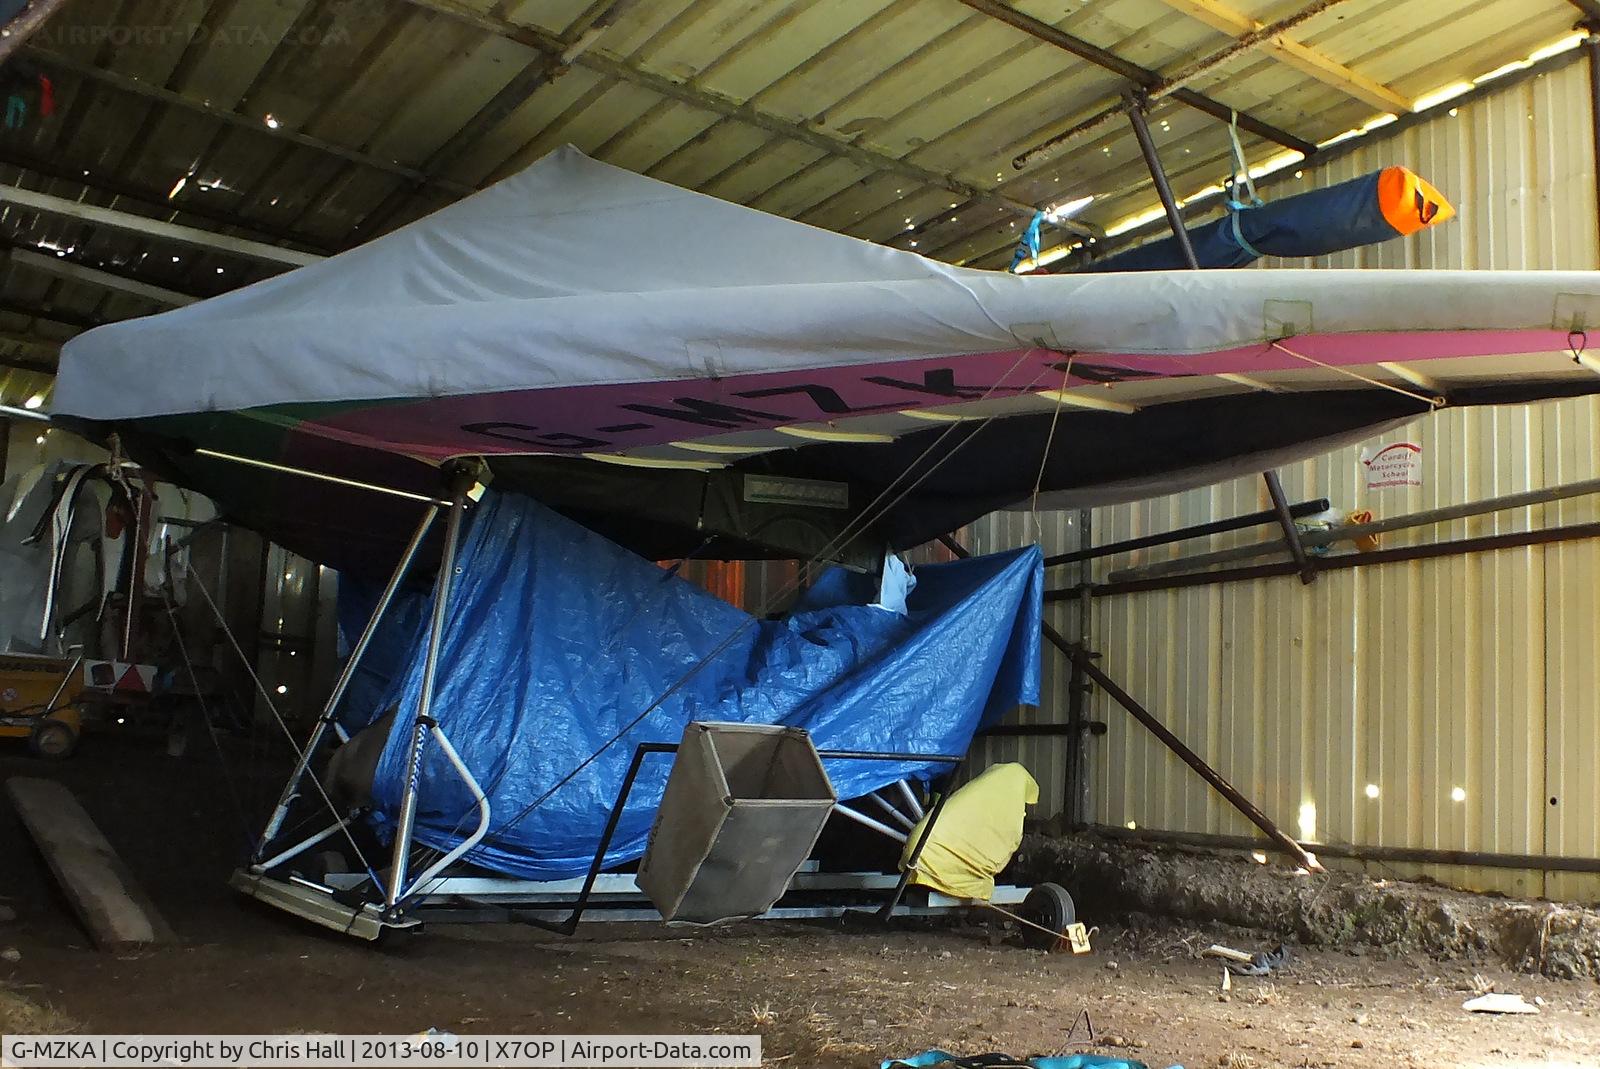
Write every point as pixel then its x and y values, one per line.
pixel 822 995
pixel 1333 910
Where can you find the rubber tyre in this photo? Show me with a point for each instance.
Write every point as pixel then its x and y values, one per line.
pixel 53 740
pixel 1050 906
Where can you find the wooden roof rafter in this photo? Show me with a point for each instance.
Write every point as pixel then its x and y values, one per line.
pixel 1288 50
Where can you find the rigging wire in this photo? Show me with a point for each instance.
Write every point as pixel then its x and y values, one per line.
pixel 205 715
pixel 1044 457
pixel 1431 402
pixel 287 733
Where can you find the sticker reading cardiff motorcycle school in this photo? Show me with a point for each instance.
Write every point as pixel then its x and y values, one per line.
pixel 1396 464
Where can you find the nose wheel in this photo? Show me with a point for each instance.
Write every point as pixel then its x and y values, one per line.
pixel 1049 906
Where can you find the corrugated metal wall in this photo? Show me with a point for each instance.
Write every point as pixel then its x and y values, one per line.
pixel 1466 690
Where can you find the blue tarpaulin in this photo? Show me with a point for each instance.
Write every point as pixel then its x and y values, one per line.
pixel 1362 211
pixel 557 640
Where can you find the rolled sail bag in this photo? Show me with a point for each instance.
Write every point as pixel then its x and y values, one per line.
pixel 1385 204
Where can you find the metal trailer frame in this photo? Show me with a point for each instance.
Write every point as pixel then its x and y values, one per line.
pixel 335 901
pixel 616 898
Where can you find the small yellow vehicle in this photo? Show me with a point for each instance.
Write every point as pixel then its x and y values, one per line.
pixel 40 699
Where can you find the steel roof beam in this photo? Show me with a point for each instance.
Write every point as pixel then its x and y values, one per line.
pixel 613 66
pixel 30 341
pixel 25 24
pixel 21 363
pixel 1290 52
pixel 1143 77
pixel 62 267
pixel 22 340
pixel 127 84
pixel 154 200
pixel 156 228
pixel 55 316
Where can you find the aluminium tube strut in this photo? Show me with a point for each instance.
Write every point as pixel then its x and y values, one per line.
pixel 325 721
pixel 462 480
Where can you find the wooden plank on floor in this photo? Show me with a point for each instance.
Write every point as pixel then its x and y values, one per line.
pixel 109 901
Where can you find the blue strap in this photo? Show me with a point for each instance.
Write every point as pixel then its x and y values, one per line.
pixel 1238 231
pixel 1241 169
pixel 1028 247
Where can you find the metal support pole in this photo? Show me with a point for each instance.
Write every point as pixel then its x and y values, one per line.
pixel 1291 533
pixel 1404 522
pixel 1182 534
pixel 1190 758
pixel 1591 46
pixel 1280 504
pixel 1074 806
pixel 1457 547
pixel 948 542
pixel 135 539
pixel 66 677
pixel 406 823
pixel 1158 175
pixel 326 720
pixel 570 925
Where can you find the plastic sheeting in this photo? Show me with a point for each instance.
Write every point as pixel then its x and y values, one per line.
pixel 979 828
pixel 1363 211
pixel 558 641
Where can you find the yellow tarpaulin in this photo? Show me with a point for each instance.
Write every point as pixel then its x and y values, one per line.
pixel 978 831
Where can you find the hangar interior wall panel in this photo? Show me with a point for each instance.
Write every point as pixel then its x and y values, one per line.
pixel 1465 690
